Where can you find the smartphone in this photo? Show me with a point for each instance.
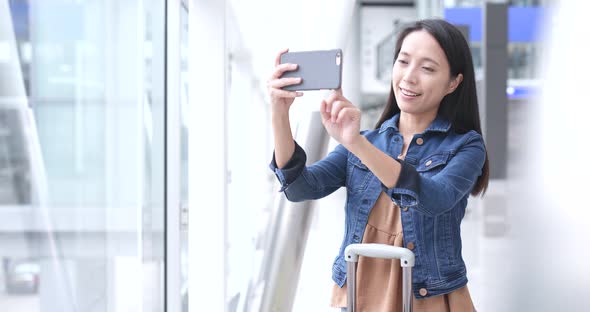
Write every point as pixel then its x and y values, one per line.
pixel 319 70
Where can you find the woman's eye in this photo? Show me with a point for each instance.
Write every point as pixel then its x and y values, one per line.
pixel 428 69
pixel 402 62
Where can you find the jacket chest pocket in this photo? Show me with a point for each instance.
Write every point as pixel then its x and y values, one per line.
pixel 358 175
pixel 433 164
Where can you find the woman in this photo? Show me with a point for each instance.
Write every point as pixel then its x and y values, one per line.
pixel 408 180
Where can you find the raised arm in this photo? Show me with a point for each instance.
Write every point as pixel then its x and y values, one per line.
pixel 297 181
pixel 281 101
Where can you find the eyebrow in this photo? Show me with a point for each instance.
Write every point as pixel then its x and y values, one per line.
pixel 424 58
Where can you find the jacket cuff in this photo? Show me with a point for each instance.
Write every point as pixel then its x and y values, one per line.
pixel 292 170
pixel 406 190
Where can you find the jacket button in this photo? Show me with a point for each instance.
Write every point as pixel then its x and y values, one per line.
pixel 405 209
pixel 410 246
pixel 419 141
pixel 423 292
pixel 428 163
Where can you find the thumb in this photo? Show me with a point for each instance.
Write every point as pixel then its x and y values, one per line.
pixel 339 92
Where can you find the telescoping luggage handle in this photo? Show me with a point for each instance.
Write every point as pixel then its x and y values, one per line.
pixel 406 256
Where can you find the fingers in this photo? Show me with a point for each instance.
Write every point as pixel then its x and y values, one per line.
pixel 327 109
pixel 324 112
pixel 336 95
pixel 275 83
pixel 282 98
pixel 283 82
pixel 332 97
pixel 278 93
pixel 336 108
pixel 278 58
pixel 336 111
pixel 330 110
pixel 346 112
pixel 282 68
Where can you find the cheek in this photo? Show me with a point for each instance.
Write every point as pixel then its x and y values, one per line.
pixel 437 93
pixel 395 79
pixel 437 87
pixel 395 73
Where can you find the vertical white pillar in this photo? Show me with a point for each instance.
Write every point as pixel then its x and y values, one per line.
pixel 173 159
pixel 207 159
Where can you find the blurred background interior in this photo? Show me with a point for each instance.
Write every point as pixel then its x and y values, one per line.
pixel 133 130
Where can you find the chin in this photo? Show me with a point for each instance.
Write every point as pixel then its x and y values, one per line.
pixel 412 110
pixel 408 109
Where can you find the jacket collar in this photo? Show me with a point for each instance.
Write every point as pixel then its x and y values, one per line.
pixel 439 124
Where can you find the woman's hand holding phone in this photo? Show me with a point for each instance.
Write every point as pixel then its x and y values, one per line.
pixel 281 100
pixel 339 116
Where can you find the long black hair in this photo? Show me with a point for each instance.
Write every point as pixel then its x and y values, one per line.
pixel 459 107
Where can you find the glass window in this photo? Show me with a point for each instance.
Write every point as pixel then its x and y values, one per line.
pixel 82 155
pixel 525 19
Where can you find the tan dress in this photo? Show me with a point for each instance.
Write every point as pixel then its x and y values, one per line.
pixel 378 279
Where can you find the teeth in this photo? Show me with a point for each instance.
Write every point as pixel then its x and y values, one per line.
pixel 408 93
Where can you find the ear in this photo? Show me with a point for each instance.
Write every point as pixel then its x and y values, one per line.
pixel 455 83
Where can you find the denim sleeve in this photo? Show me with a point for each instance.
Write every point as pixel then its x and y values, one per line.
pixel 300 182
pixel 292 169
pixel 441 192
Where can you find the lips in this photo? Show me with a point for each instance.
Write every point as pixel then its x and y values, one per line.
pixel 408 92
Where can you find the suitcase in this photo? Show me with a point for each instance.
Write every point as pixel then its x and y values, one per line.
pixel 406 256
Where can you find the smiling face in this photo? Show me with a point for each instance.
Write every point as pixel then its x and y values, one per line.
pixel 421 75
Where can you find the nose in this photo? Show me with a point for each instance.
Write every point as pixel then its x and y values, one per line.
pixel 409 76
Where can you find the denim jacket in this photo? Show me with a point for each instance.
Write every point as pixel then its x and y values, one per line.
pixel 438 173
